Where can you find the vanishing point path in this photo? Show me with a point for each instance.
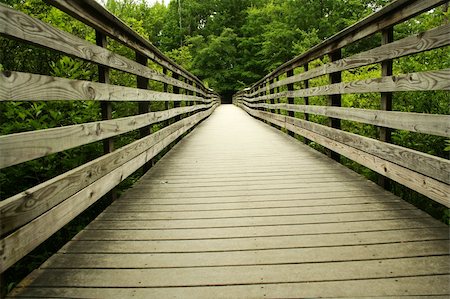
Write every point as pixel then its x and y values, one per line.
pixel 239 209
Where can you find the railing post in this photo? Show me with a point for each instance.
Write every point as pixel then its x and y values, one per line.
pixel 176 90
pixel 272 101
pixel 165 89
pixel 261 93
pixel 103 77
pixel 290 100
pixel 106 107
pixel 277 101
pixel 334 100
pixel 306 99
pixel 144 107
pixel 387 36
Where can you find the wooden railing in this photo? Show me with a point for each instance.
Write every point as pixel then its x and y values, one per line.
pixel 424 173
pixel 30 217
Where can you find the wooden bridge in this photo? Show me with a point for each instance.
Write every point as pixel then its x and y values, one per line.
pixel 237 208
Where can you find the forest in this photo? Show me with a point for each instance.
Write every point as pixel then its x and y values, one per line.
pixel 229 45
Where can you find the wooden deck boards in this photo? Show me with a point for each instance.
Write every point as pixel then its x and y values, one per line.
pixel 238 209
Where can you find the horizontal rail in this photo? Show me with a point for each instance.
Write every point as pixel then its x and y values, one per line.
pixel 49 213
pixel 360 149
pixel 434 124
pixel 28 29
pixel 92 13
pixel 18 86
pixel 421 81
pixel 22 147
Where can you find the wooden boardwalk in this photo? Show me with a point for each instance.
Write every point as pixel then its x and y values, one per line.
pixel 239 209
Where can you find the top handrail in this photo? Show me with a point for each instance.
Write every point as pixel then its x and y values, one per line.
pixel 96 16
pixel 375 22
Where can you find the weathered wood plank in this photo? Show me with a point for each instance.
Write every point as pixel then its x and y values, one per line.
pixel 270 192
pixel 428 186
pixel 217 276
pixel 257 221
pixel 22 147
pixel 271 256
pixel 17 86
pixel 434 124
pixel 397 287
pixel 25 206
pixel 421 81
pixel 135 206
pixel 241 213
pixel 28 29
pixel 250 232
pixel 251 198
pixel 27 237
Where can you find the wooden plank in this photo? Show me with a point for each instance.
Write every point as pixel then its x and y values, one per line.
pixel 261 231
pixel 428 186
pixel 25 206
pixel 96 16
pixel 397 287
pixel 28 29
pixel 22 147
pixel 304 196
pixel 217 276
pixel 434 124
pixel 256 222
pixel 424 41
pixel 272 192
pixel 151 205
pixel 238 213
pixel 394 13
pixel 421 81
pixel 166 185
pixel 434 167
pixel 17 86
pixel 160 190
pixel 272 256
pixel 26 238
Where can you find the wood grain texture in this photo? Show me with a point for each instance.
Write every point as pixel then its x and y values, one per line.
pixel 339 141
pixel 434 124
pixel 28 29
pixel 25 206
pixel 253 257
pixel 216 217
pixel 421 287
pixel 22 147
pixel 18 86
pixel 425 41
pixel 421 81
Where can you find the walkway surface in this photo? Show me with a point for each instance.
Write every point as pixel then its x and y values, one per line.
pixel 239 209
